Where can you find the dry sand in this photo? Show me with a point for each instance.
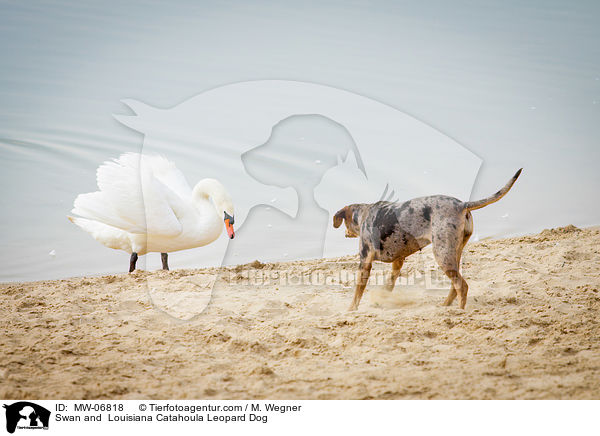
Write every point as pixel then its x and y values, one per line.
pixel 531 329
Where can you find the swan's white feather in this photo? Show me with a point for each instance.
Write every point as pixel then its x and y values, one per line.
pixel 138 194
pixel 166 171
pixel 98 206
pixel 144 204
pixel 106 235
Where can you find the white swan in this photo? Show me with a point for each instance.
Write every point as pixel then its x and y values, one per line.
pixel 145 205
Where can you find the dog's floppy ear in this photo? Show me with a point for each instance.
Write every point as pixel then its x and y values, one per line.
pixel 339 217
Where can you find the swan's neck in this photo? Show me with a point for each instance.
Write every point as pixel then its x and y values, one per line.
pixel 201 197
pixel 205 197
pixel 214 191
pixel 205 224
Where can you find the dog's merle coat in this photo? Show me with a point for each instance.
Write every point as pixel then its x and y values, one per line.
pixel 389 232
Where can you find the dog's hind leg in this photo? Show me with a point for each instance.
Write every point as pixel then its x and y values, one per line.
pixel 363 277
pixel 447 250
pixel 459 285
pixel 396 267
pixel 451 295
pixel 467 232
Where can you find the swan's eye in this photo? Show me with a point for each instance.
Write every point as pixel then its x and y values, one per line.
pixel 228 217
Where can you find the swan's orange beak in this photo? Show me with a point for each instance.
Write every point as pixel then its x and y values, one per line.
pixel 229 228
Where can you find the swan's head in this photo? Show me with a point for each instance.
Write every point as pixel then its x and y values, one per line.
pixel 229 220
pixel 213 189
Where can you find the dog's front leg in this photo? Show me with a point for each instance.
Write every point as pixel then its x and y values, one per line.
pixel 363 277
pixel 396 267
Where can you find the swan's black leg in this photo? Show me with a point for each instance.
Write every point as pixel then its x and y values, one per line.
pixel 163 257
pixel 132 261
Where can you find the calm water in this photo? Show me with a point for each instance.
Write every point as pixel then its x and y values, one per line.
pixel 513 85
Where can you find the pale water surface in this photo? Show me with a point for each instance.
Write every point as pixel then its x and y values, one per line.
pixel 514 84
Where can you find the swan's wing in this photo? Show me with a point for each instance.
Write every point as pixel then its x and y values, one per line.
pixel 98 206
pixel 132 199
pixel 169 197
pixel 109 236
pixel 167 173
pixel 119 203
pixel 164 208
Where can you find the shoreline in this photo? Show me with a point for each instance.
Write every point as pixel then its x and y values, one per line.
pixel 288 262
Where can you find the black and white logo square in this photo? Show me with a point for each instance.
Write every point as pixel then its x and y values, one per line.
pixel 26 415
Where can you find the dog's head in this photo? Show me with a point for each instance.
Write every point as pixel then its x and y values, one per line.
pixel 349 215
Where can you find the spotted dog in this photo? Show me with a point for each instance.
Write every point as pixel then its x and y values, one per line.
pixel 389 232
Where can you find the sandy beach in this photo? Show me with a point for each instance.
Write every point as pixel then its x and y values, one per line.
pixel 530 330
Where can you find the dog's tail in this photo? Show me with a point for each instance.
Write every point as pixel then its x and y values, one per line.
pixel 472 205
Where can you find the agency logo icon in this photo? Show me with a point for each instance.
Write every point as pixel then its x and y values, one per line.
pixel 26 415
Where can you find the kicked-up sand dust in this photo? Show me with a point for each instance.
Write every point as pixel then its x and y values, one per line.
pixel 531 330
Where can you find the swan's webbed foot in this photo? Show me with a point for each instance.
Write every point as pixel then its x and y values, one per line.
pixel 132 261
pixel 164 258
